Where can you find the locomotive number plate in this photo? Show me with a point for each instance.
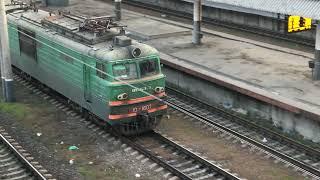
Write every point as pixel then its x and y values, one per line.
pixel 140 108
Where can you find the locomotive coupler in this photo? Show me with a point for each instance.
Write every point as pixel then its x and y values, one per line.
pixel 143 116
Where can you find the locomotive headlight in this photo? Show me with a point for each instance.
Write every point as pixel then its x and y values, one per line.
pixel 159 89
pixel 122 96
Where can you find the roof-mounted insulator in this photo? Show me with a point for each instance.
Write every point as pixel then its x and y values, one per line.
pixel 122 41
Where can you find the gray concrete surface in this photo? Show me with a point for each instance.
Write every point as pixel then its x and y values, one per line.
pixel 275 72
pixel 264 80
pixel 275 69
pixel 232 14
pixel 254 102
pixel 148 29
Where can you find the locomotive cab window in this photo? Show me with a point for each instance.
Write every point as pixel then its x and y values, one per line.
pixel 101 70
pixel 125 71
pixel 28 44
pixel 148 68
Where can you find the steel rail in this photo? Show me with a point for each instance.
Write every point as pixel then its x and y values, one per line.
pixel 309 150
pixel 196 157
pixel 154 158
pixel 136 146
pixel 254 30
pixel 233 117
pixel 34 171
pixel 175 171
pixel 131 142
pixel 301 165
pixel 106 127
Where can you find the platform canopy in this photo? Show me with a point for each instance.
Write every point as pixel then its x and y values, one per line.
pixel 305 8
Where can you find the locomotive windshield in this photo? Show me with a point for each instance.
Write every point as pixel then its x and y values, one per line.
pixel 125 71
pixel 137 69
pixel 148 68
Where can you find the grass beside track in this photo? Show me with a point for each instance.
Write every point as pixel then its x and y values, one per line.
pixel 18 110
pixel 110 173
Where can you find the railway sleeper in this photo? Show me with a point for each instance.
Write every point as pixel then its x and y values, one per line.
pixel 200 171
pixel 193 168
pixel 206 176
pixel 183 164
pixel 88 115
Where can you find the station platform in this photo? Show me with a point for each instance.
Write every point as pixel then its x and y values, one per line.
pixel 272 74
pixel 273 71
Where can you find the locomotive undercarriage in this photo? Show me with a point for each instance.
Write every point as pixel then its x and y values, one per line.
pixel 143 122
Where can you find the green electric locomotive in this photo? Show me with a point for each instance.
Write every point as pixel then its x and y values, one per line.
pixel 91 63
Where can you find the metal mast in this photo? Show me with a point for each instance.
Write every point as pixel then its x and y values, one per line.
pixel 197 18
pixel 117 10
pixel 316 70
pixel 6 71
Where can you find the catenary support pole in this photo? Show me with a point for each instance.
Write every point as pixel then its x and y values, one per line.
pixel 316 70
pixel 6 71
pixel 2 60
pixel 197 17
pixel 2 79
pixel 117 10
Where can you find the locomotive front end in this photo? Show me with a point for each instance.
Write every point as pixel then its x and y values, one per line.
pixel 137 104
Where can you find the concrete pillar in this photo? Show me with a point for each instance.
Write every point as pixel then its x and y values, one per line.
pixel 316 70
pixel 117 9
pixel 197 17
pixel 6 71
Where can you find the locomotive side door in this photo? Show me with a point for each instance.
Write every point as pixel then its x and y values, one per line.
pixel 86 83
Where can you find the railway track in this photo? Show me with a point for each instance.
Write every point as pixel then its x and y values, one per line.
pixel 174 158
pixel 178 159
pixel 16 163
pixel 183 163
pixel 301 157
pixel 230 25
